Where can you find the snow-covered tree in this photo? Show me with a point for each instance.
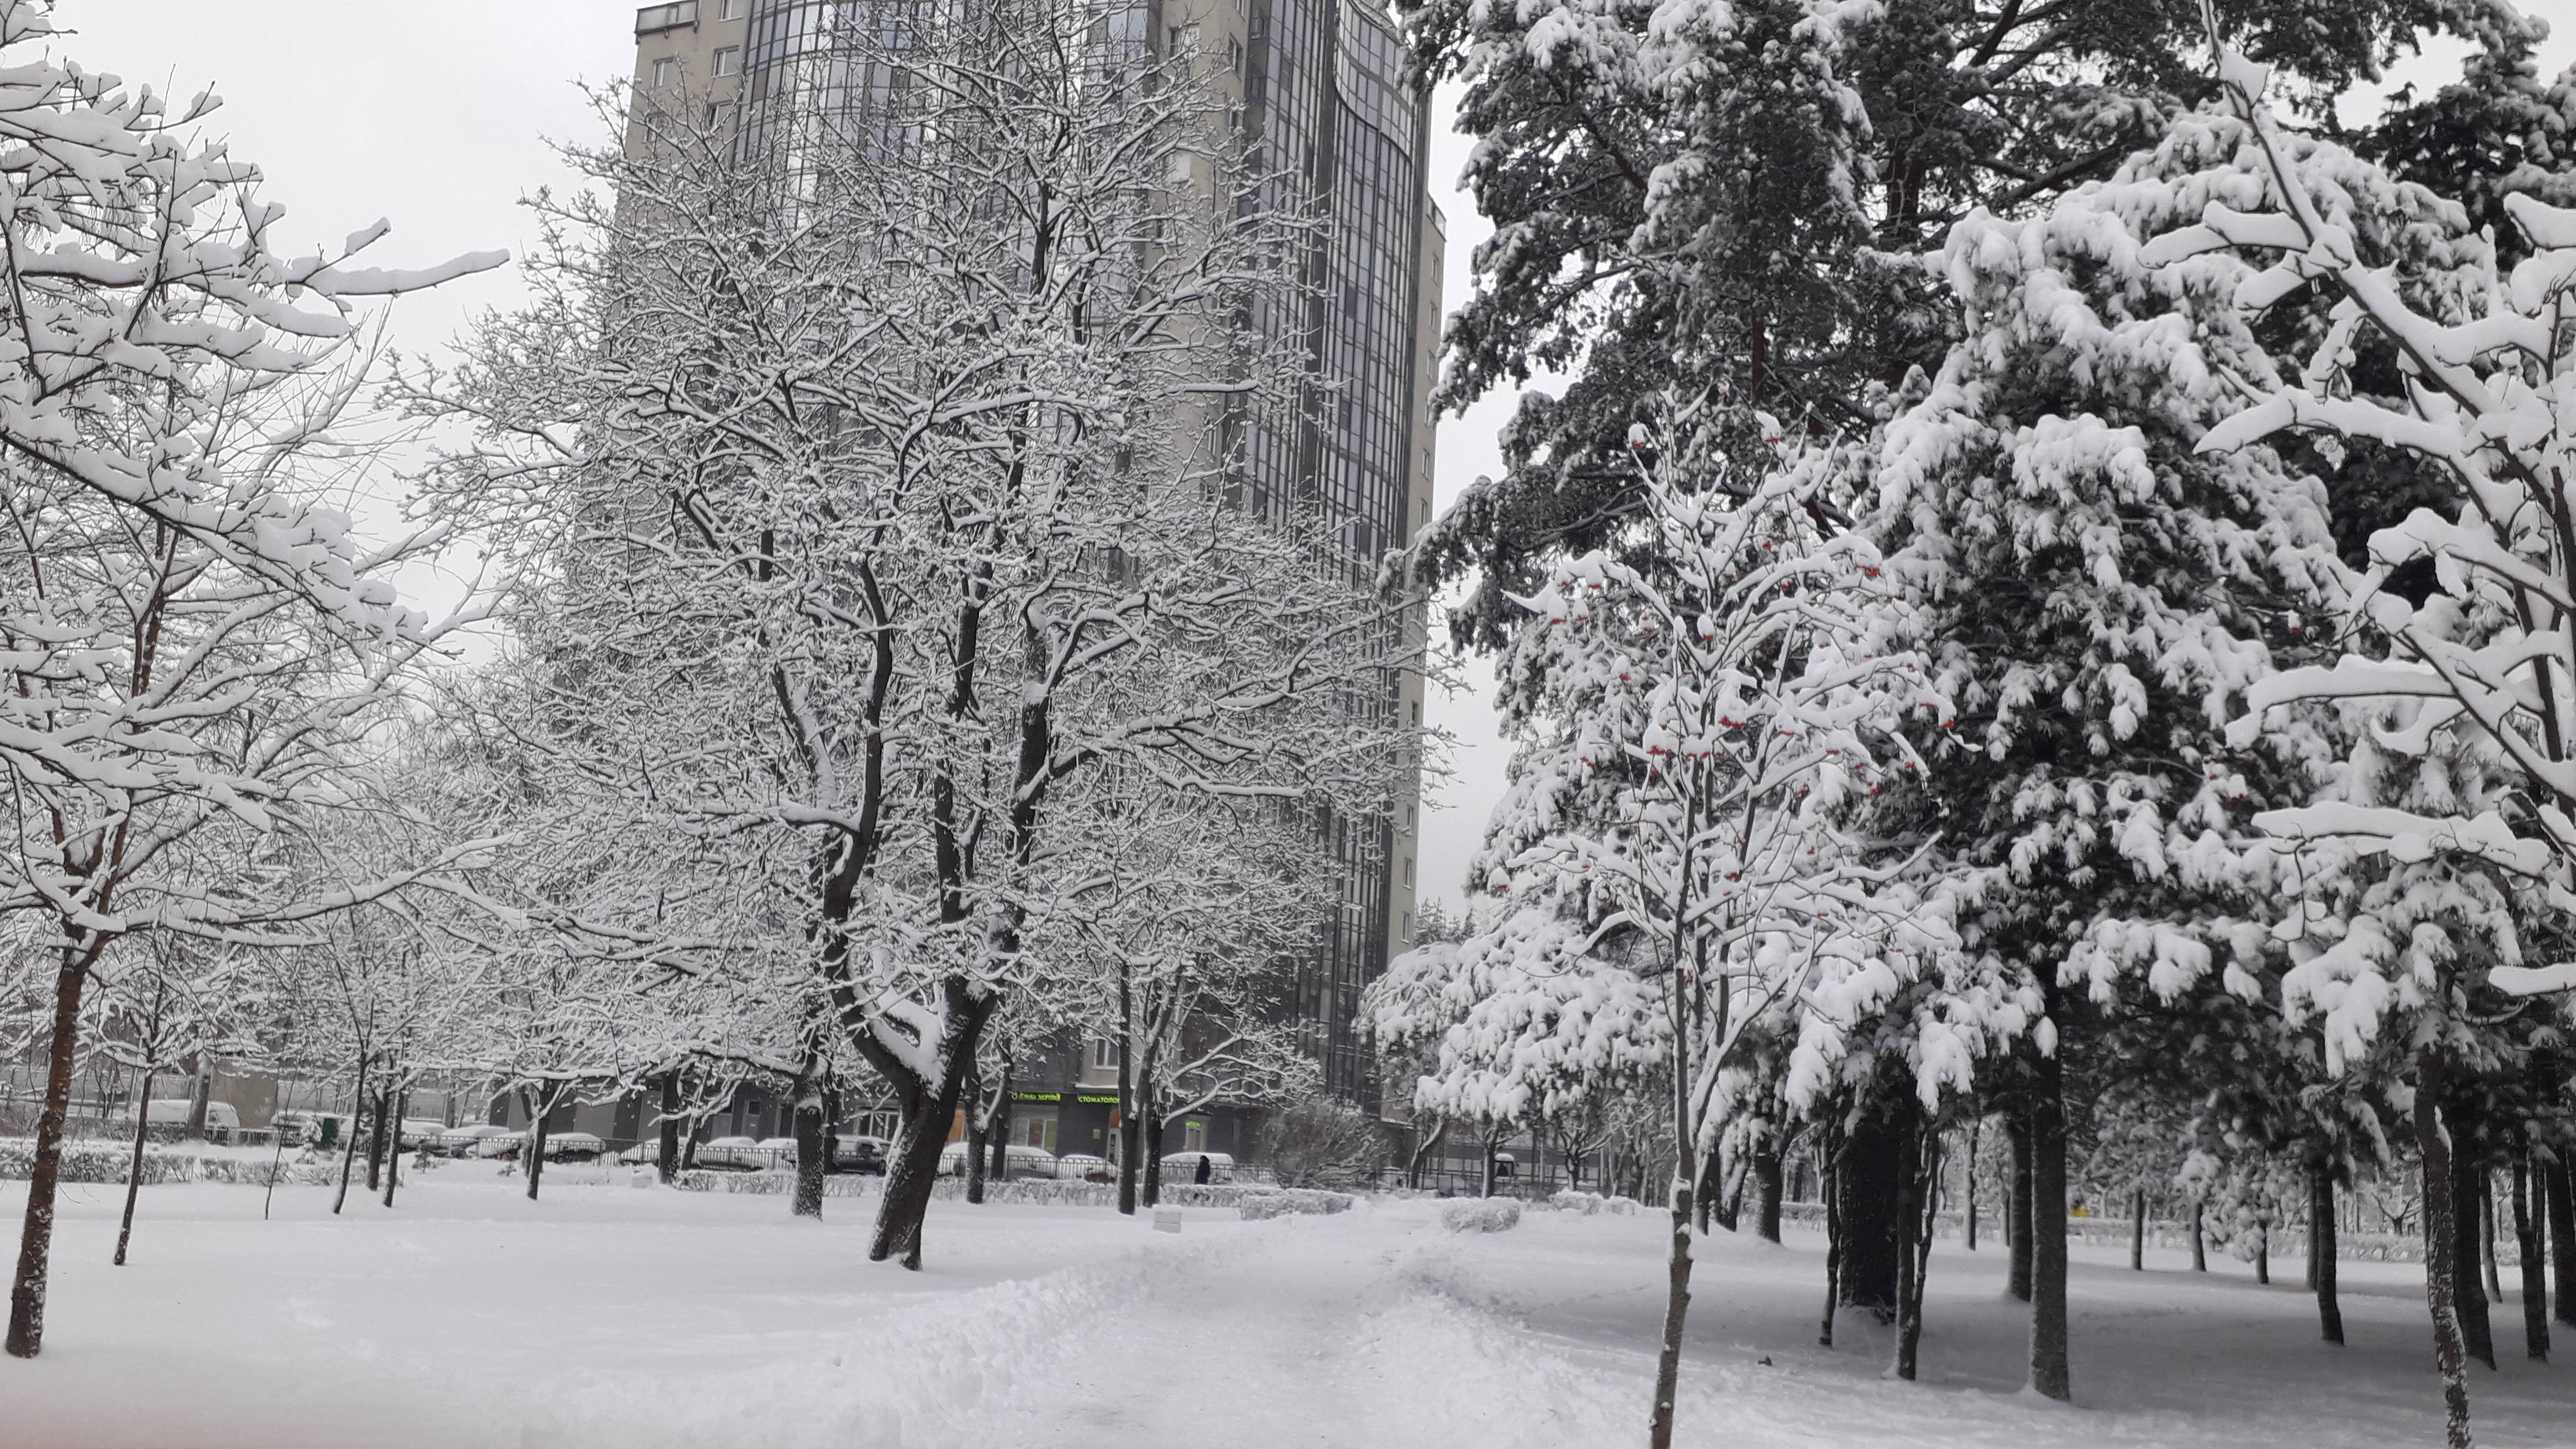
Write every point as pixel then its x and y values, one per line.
pixel 191 639
pixel 2455 659
pixel 1688 195
pixel 887 497
pixel 2099 597
pixel 165 999
pixel 1674 848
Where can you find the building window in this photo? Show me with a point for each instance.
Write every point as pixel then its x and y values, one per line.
pixel 729 60
pixel 1104 1056
pixel 1408 870
pixel 731 9
pixel 664 69
pixel 1405 934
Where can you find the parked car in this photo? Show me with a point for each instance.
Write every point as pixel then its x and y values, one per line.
pixel 421 1131
pixel 174 1112
pixel 476 1140
pixel 1024 1161
pixel 736 1154
pixel 1183 1167
pixel 299 1128
pixel 860 1154
pixel 573 1147
pixel 1084 1167
pixel 780 1151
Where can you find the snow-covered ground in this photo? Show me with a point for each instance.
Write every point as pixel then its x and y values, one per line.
pixel 609 1316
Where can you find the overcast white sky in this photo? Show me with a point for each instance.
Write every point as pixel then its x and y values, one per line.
pixel 439 114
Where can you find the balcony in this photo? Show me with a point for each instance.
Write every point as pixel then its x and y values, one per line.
pixel 654 19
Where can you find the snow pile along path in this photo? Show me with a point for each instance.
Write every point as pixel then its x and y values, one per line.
pixel 1341 1331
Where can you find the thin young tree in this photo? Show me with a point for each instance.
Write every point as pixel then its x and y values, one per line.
pixel 1673 848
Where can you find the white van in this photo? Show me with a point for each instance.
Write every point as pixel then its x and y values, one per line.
pixel 174 1111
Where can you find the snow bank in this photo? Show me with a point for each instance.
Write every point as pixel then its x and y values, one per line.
pixel 1481 1214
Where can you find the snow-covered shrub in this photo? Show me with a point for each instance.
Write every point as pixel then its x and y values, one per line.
pixel 763 1184
pixel 106 1162
pixel 1326 1138
pixel 1481 1214
pixel 1590 1204
pixel 1258 1203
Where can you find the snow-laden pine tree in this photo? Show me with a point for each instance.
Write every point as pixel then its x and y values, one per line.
pixel 2099 596
pixel 1674 850
pixel 1739 182
pixel 2454 659
pixel 191 640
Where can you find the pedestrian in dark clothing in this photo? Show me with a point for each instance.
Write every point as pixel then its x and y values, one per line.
pixel 1205 1171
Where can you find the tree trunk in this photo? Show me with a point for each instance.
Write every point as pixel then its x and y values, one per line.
pixel 2199 1238
pixel 2487 1235
pixel 1829 1192
pixel 376 1144
pixel 1149 1104
pixel 201 1091
pixel 1877 1163
pixel 2263 1251
pixel 1922 1206
pixel 2441 1246
pixel 393 1159
pixel 1677 1266
pixel 1767 1186
pixel 2018 1213
pixel 976 1127
pixel 2050 1373
pixel 1130 1129
pixel 2562 1236
pixel 2315 1234
pixel 999 1168
pixel 2321 1251
pixel 134 1170
pixel 2137 1230
pixel 813 1154
pixel 1969 1180
pixel 929 1108
pixel 36 1239
pixel 2459 1119
pixel 666 1159
pixel 2526 1239
pixel 534 1144
pixel 349 1148
pixel 1155 1126
pixel 1424 1144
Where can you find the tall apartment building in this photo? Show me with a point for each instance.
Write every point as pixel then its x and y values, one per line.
pixel 1320 90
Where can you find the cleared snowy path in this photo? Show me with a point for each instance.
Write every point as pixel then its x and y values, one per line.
pixel 607 1318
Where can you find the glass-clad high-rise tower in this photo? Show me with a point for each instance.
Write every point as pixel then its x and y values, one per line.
pixel 1323 105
